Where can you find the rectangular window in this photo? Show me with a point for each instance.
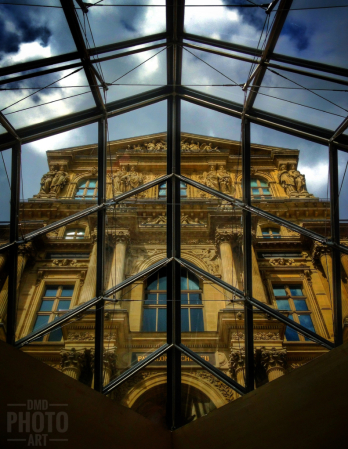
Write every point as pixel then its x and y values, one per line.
pixel 290 298
pixel 56 299
pixel 87 189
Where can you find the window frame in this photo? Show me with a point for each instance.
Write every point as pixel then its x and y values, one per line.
pixel 74 236
pixel 260 187
pixel 86 188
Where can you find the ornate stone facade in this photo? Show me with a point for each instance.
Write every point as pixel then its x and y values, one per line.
pixel 136 237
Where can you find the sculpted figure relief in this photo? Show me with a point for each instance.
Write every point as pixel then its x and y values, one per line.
pixel 225 180
pixel 196 147
pixel 211 179
pixel 59 181
pixel 47 179
pixel 292 180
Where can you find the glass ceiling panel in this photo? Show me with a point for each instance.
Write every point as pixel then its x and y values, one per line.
pixel 33 32
pixel 240 25
pixel 131 80
pixel 287 94
pixel 315 34
pixel 111 23
pixel 215 75
pixel 49 96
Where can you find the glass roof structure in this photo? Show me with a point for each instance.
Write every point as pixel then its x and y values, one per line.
pixel 270 68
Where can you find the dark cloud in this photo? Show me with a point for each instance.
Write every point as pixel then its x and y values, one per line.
pixel 16 29
pixel 298 33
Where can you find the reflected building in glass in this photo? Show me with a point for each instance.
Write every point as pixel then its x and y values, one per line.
pixel 57 271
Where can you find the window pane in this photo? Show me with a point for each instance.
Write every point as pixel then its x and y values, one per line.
pixel 255 191
pixel 149 320
pixel 291 334
pixel 182 192
pixel 162 320
pixel 195 298
pixel 182 185
pixel 307 322
pixel 151 298
pixel 80 192
pixel 193 282
pixel 64 305
pixel 67 290
pixel 83 184
pixel 184 298
pixel 184 280
pixel 152 282
pixel 274 231
pixel 283 304
pixel 266 233
pixel 51 290
pixel 279 290
pixel 300 304
pixel 92 183
pixel 296 290
pixel 184 320
pixel 162 282
pixel 46 306
pixel 197 320
pixel 162 298
pixel 162 193
pixel 253 183
pixel 41 320
pixel 266 192
pixel 263 183
pixel 56 335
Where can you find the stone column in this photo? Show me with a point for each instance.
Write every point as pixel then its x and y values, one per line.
pixel 274 361
pixel 322 252
pixel 237 365
pixel 109 365
pixel 121 239
pixel 223 239
pixel 89 287
pixel 24 252
pixel 72 362
pixel 257 283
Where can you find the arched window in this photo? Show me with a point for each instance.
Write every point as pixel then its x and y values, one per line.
pixel 271 233
pixel 155 304
pixel 259 187
pixel 74 233
pixel 87 189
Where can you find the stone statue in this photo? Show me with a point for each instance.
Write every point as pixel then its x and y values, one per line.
pixel 224 179
pixel 117 181
pixel 135 179
pixel 151 146
pixel 47 179
pixel 196 147
pixel 159 220
pixel 123 180
pixel 211 179
pixel 61 178
pixel 160 146
pixel 292 180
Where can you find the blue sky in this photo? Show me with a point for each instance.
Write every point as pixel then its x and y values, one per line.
pixel 32 32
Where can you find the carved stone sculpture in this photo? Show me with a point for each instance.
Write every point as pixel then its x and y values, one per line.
pixel 292 181
pixel 196 147
pixel 47 179
pixel 225 181
pixel 59 181
pixel 274 361
pixel 156 220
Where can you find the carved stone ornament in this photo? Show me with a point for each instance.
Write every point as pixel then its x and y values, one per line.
pixel 46 180
pixel 236 360
pixel 155 220
pixel 60 179
pixel 119 236
pixel 225 390
pixel 154 146
pixel 186 220
pixel 71 359
pixel 26 250
pixel 124 181
pixel 197 147
pixel 80 336
pixel 220 180
pixel 67 262
pixel 226 235
pixel 257 336
pixel 273 358
pixel 292 181
pixel 281 261
pixel 319 250
pixel 209 256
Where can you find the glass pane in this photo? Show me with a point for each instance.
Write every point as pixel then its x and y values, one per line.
pixel 291 334
pixel 184 298
pixel 193 281
pixel 46 306
pixel 185 325
pixel 5 197
pixel 201 392
pixel 67 290
pixel 307 322
pixel 64 305
pixel 162 281
pixel 307 34
pixel 162 320
pixel 56 335
pixel 253 183
pixel 113 24
pixel 92 183
pixel 149 320
pixel 196 317
pixel 300 304
pixel 52 290
pixel 279 290
pixel 146 392
pixel 151 298
pixel 195 298
pixel 40 36
pixel 298 181
pixel 162 298
pixel 183 280
pixel 41 320
pixel 53 177
pixel 296 290
pixel 283 304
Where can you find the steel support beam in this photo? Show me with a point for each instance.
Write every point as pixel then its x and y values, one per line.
pixel 13 251
pixel 247 258
pixel 99 310
pixel 279 21
pixel 335 236
pixel 312 65
pixel 71 18
pixel 9 128
pixel 343 126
